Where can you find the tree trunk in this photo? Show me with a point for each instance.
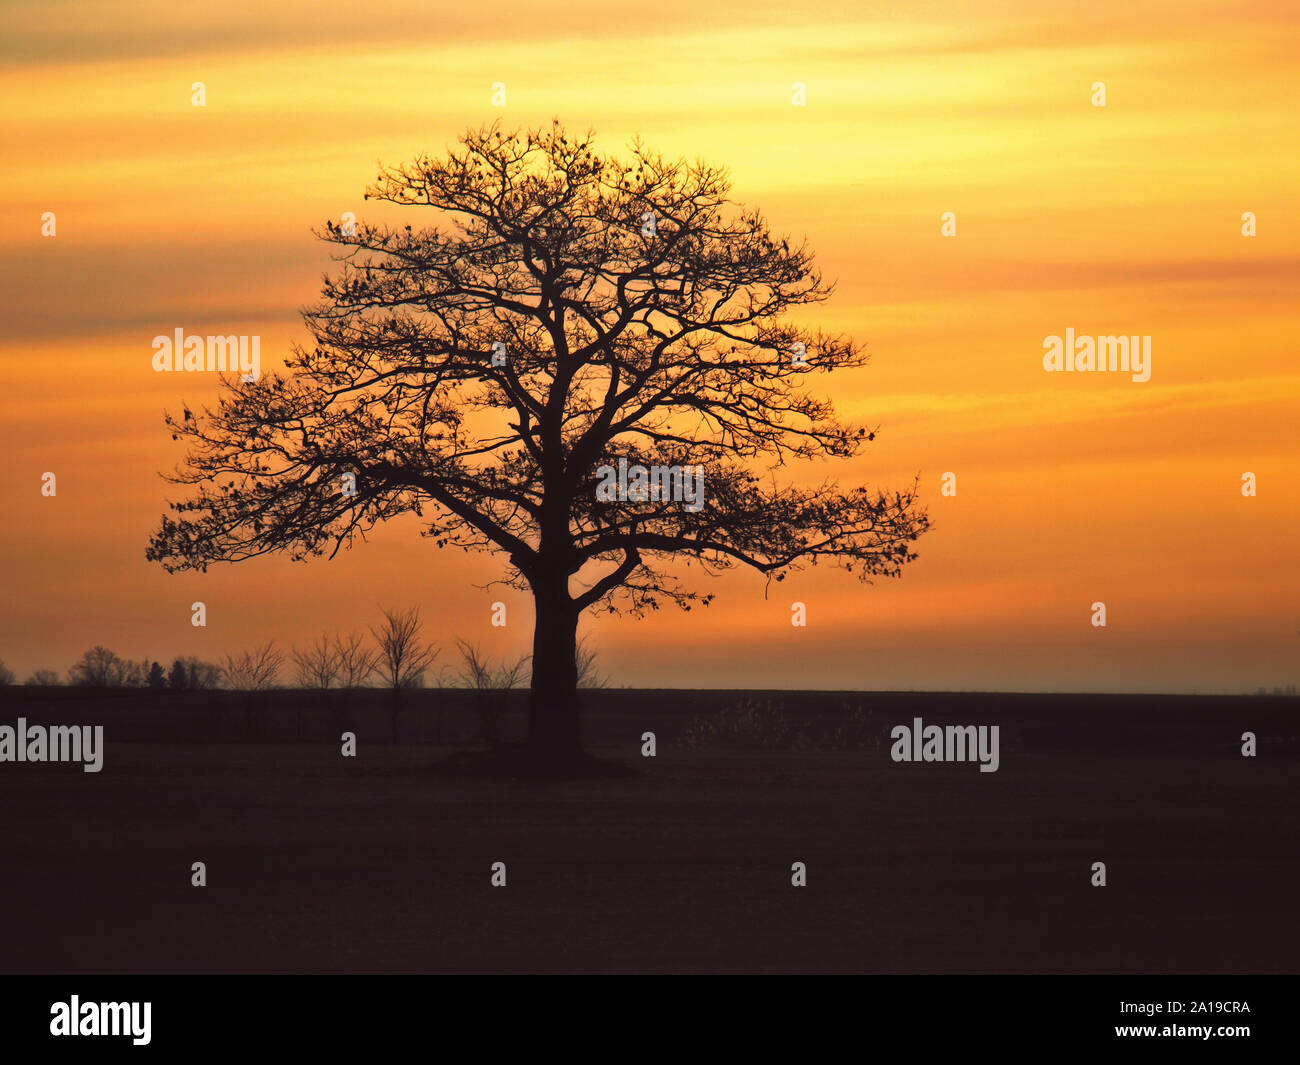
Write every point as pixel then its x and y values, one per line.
pixel 553 697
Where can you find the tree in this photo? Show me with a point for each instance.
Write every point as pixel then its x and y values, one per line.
pixel 157 677
pixel 98 668
pixel 403 656
pixel 318 665
pixel 254 670
pixel 135 674
pixel 7 675
pixel 489 685
pixel 565 312
pixel 589 677
pixel 356 664
pixel 200 675
pixel 179 678
pixel 356 661
pixel 43 678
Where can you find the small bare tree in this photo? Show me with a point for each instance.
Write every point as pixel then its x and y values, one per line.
pixel 318 668
pixel 403 656
pixel 489 685
pixel 200 675
pixel 135 674
pixel 589 676
pixel 98 668
pixel 254 670
pixel 356 665
pixel 356 661
pixel 318 664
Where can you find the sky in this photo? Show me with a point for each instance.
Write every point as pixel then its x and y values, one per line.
pixel 1071 489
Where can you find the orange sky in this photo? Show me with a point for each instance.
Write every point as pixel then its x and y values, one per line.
pixel 1071 488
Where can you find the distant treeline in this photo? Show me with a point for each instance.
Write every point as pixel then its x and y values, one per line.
pixel 393 654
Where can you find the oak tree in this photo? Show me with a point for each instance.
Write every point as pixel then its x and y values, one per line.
pixel 549 311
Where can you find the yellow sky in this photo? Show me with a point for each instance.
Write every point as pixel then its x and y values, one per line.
pixel 1071 488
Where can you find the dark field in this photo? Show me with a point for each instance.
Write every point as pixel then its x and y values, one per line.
pixel 318 863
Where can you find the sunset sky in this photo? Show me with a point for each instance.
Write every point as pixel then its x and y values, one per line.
pixel 1123 219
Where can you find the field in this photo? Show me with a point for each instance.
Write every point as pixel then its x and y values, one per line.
pixel 319 863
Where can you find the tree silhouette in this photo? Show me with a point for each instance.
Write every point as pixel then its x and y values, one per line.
pixel 491 686
pixel 179 678
pixel 98 668
pixel 254 670
pixel 356 662
pixel 402 657
pixel 200 675
pixel 564 311
pixel 318 664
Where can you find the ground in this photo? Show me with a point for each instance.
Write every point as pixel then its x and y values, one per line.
pixel 316 863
